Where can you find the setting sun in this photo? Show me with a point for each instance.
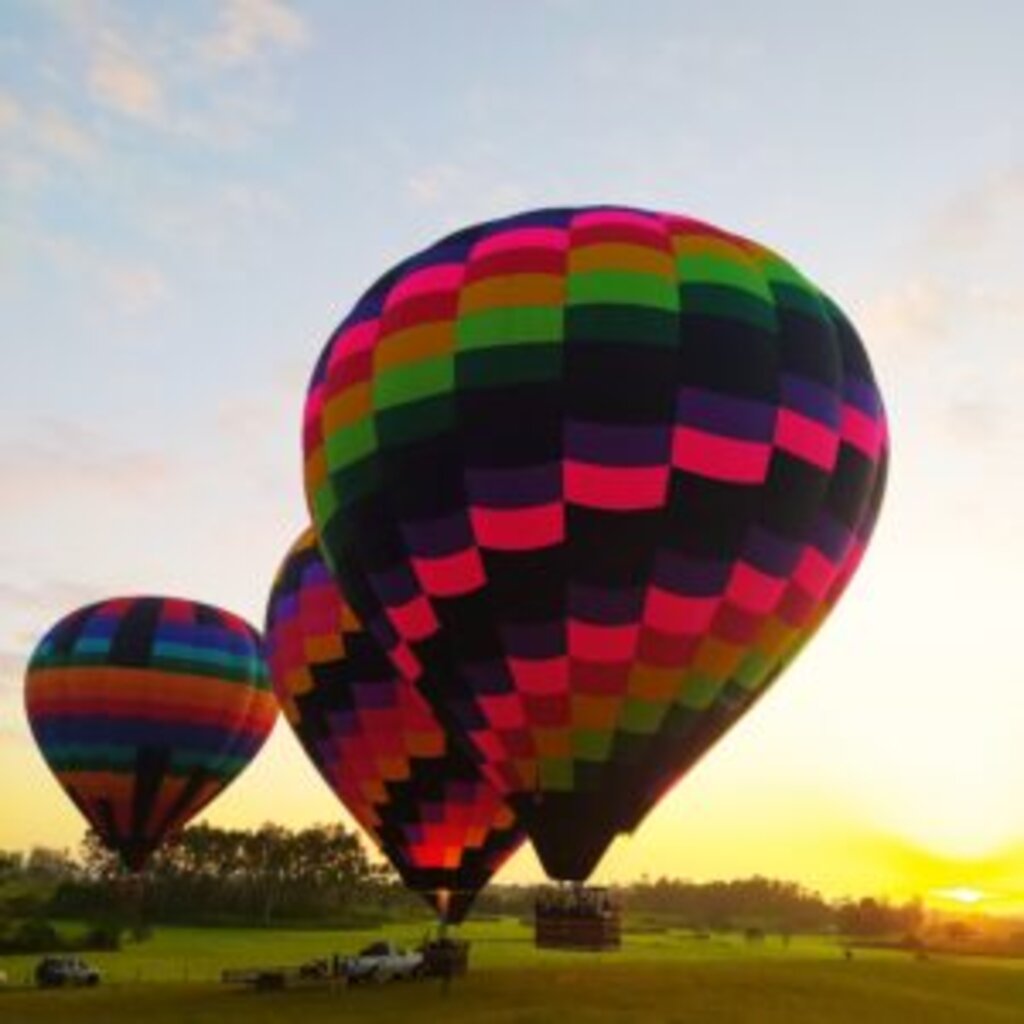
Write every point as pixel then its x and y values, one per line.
pixel 960 894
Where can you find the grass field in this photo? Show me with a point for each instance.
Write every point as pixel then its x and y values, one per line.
pixel 663 977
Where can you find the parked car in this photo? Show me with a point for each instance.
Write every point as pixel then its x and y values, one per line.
pixel 382 961
pixel 55 971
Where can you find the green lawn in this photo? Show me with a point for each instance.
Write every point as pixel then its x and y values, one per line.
pixel 666 977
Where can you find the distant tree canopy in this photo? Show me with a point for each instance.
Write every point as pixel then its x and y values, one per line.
pixel 267 875
pixel 764 903
pixel 273 875
pixel 870 918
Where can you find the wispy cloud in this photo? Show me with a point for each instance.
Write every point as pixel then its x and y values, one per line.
pixel 464 191
pixel 973 419
pixel 210 222
pixel 136 290
pixel 27 610
pixel 989 211
pixel 247 29
pixel 1002 300
pixel 258 415
pixel 166 76
pixel 132 288
pixel 915 310
pixel 432 184
pixel 122 82
pixel 63 461
pixel 665 66
pixel 10 111
pixel 22 172
pixel 12 663
pixel 57 133
pixel 29 599
pixel 40 143
pixel 969 281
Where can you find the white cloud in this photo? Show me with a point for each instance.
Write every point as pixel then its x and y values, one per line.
pixel 924 308
pixel 123 83
pixel 974 420
pixel 10 111
pixel 129 288
pixel 247 28
pixel 12 664
pixel 20 600
pixel 607 61
pixel 253 200
pixel 56 133
pixel 992 210
pixel 210 222
pixel 1003 300
pixel 135 290
pixel 466 192
pixel 915 310
pixel 435 183
pixel 21 172
pixel 230 120
pixel 61 461
pixel 160 72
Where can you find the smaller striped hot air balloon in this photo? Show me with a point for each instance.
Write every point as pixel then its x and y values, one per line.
pixel 377 744
pixel 145 708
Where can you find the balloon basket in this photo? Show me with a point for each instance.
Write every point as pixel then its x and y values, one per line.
pixel 578 917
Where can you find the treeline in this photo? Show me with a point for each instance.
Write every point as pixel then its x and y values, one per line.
pixel 748 903
pixel 324 876
pixel 744 905
pixel 772 905
pixel 207 876
pixel 267 876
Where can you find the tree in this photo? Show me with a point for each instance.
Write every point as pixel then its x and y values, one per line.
pixel 12 863
pixel 50 865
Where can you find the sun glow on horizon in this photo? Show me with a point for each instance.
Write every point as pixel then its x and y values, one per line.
pixel 963 894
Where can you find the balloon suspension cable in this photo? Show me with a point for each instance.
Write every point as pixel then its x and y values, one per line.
pixel 131 884
pixel 444 900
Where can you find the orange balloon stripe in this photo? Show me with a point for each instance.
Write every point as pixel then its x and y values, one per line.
pixel 110 788
pixel 137 684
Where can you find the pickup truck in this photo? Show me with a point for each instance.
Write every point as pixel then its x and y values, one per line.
pixel 383 961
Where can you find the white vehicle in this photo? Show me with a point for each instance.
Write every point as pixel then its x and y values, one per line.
pixel 383 961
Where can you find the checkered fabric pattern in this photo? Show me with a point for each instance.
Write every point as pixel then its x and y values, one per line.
pixel 605 470
pixel 145 708
pixel 378 745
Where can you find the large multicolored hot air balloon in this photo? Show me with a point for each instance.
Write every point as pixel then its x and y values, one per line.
pixel 145 708
pixel 606 470
pixel 377 744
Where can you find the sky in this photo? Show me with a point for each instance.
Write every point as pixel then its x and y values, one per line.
pixel 192 195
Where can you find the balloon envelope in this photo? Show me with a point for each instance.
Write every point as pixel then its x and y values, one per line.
pixel 145 708
pixel 377 744
pixel 605 470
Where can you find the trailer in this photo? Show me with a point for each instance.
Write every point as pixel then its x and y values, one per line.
pixel 267 979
